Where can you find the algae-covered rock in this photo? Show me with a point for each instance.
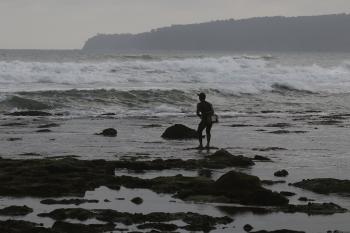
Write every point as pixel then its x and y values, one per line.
pixel 223 156
pixel 110 132
pixel 73 213
pixel 278 231
pixel 54 178
pixel 67 201
pixel 29 113
pixel 193 220
pixel 164 227
pixel 16 211
pixel 246 189
pixel 325 185
pixel 66 227
pixel 315 209
pixel 281 173
pixel 137 200
pixel 18 226
pixel 179 131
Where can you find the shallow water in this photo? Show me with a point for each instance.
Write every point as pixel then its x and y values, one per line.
pixel 320 152
pixel 147 94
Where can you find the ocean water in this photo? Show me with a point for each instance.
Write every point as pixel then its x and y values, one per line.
pixel 309 92
pixel 86 84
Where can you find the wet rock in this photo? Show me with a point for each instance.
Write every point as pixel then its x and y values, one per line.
pixel 247 189
pixel 29 113
pixel 223 155
pixel 205 172
pixel 152 126
pixel 66 227
pixel 240 125
pixel 278 231
pixel 279 125
pixel 17 226
pixel 247 227
pixel 287 132
pixel 164 227
pixel 73 213
pixel 110 132
pixel 137 200
pixel 197 222
pixel 237 210
pixel 54 178
pixel 67 176
pixel 108 114
pixel 269 111
pixel 281 173
pixel 67 201
pixel 269 149
pixel 14 139
pixel 315 209
pixel 262 158
pixel 287 194
pixel 325 185
pixel 194 220
pixel 272 182
pixel 44 131
pixel 48 125
pixel 179 131
pixel 13 124
pixel 16 211
pixel 305 199
pixel 310 209
pixel 219 160
pixel 31 154
pixel 325 122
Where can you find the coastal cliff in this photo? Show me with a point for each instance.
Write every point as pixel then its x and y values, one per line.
pixel 304 33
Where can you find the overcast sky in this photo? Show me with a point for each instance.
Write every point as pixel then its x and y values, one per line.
pixel 67 24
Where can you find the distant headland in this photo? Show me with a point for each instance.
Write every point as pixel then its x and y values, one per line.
pixel 325 33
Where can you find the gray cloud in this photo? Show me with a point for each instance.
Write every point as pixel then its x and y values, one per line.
pixel 68 23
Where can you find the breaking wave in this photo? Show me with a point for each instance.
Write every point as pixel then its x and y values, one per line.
pixel 235 74
pixel 147 84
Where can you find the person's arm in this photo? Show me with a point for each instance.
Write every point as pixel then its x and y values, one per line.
pixel 198 112
pixel 211 109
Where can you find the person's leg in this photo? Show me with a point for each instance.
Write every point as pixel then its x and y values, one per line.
pixel 208 131
pixel 200 129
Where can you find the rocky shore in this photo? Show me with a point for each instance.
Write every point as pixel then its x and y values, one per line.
pixel 237 181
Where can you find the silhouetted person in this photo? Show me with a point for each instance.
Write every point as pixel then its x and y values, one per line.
pixel 205 111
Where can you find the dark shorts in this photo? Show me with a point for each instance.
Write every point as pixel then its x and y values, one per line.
pixel 205 124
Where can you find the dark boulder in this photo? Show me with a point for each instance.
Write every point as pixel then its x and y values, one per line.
pixel 110 132
pixel 29 113
pixel 246 189
pixel 16 211
pixel 247 227
pixel 67 201
pixel 18 226
pixel 82 228
pixel 224 156
pixel 281 173
pixel 262 158
pixel 325 185
pixel 44 131
pixel 315 209
pixel 164 227
pixel 137 200
pixel 179 131
pixel 287 194
pixel 278 231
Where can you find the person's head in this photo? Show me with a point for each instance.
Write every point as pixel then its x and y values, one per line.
pixel 201 96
